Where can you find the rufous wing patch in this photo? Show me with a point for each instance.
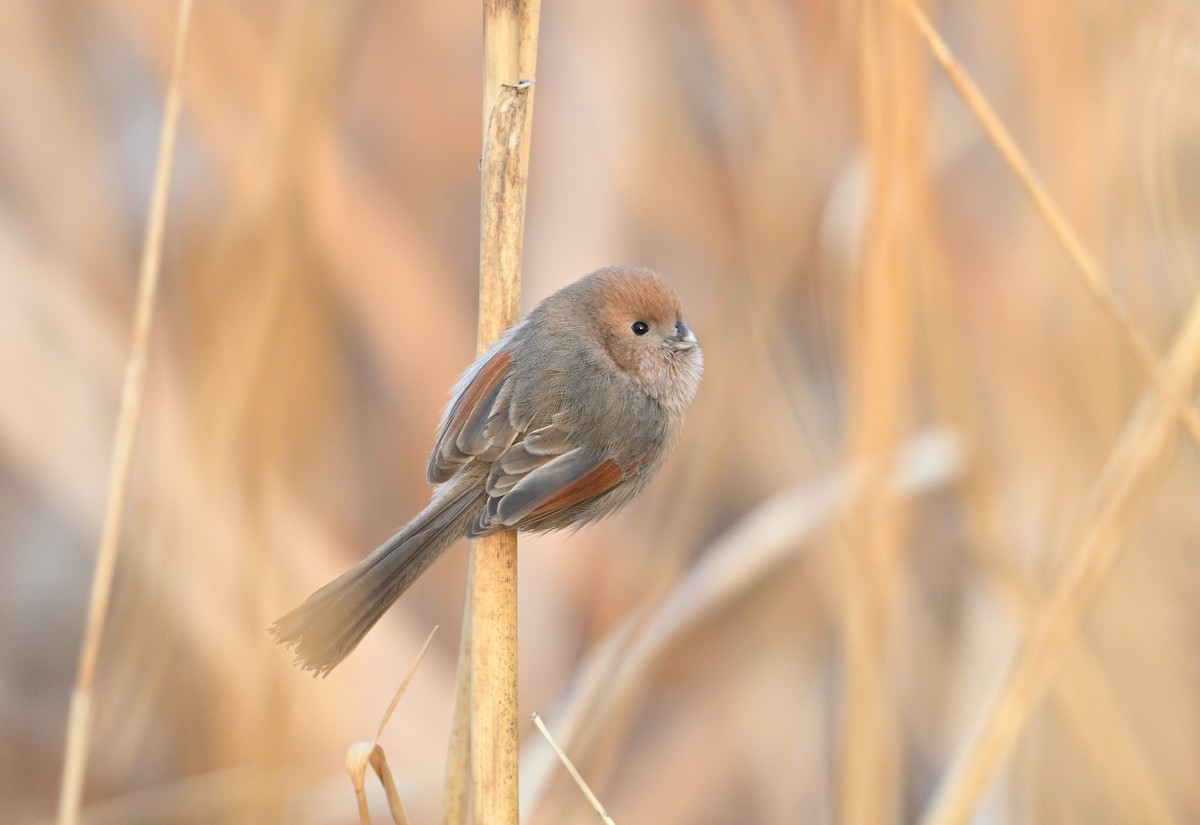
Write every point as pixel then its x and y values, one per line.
pixel 564 480
pixel 466 423
pixel 600 479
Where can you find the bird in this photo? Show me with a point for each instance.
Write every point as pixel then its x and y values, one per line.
pixel 562 421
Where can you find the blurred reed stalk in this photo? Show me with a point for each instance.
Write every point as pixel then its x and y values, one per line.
pixel 1117 497
pixel 488 654
pixel 1082 259
pixel 80 715
pixel 894 100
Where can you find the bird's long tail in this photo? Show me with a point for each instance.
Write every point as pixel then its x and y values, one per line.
pixel 333 620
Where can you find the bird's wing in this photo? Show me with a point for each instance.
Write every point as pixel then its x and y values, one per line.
pixel 477 422
pixel 542 474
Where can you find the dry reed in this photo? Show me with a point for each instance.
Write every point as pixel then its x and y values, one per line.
pixel 884 219
pixel 79 720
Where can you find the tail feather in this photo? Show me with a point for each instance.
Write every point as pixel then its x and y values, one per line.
pixel 332 621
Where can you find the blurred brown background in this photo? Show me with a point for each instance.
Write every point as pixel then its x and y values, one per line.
pixel 765 636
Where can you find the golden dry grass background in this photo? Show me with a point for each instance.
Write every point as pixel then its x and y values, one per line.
pixel 775 632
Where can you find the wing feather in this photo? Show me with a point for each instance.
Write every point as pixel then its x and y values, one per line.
pixel 557 483
pixel 533 473
pixel 464 430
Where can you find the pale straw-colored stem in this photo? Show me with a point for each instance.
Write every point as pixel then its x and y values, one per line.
pixel 488 658
pixel 574 772
pixel 494 740
pixel 80 715
pixel 456 799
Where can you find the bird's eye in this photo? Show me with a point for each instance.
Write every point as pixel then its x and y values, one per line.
pixel 640 327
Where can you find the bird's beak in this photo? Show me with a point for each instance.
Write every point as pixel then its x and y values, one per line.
pixel 683 339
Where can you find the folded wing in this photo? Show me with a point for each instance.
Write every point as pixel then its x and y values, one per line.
pixel 533 472
pixel 477 424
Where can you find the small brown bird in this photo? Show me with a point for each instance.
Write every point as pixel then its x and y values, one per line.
pixel 562 421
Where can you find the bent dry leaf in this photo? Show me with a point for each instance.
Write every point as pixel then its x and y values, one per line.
pixel 361 755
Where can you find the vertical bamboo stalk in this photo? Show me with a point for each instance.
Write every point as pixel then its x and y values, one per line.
pixel 493 644
pixel 80 715
pixel 488 653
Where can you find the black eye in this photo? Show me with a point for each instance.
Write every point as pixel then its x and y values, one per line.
pixel 640 327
